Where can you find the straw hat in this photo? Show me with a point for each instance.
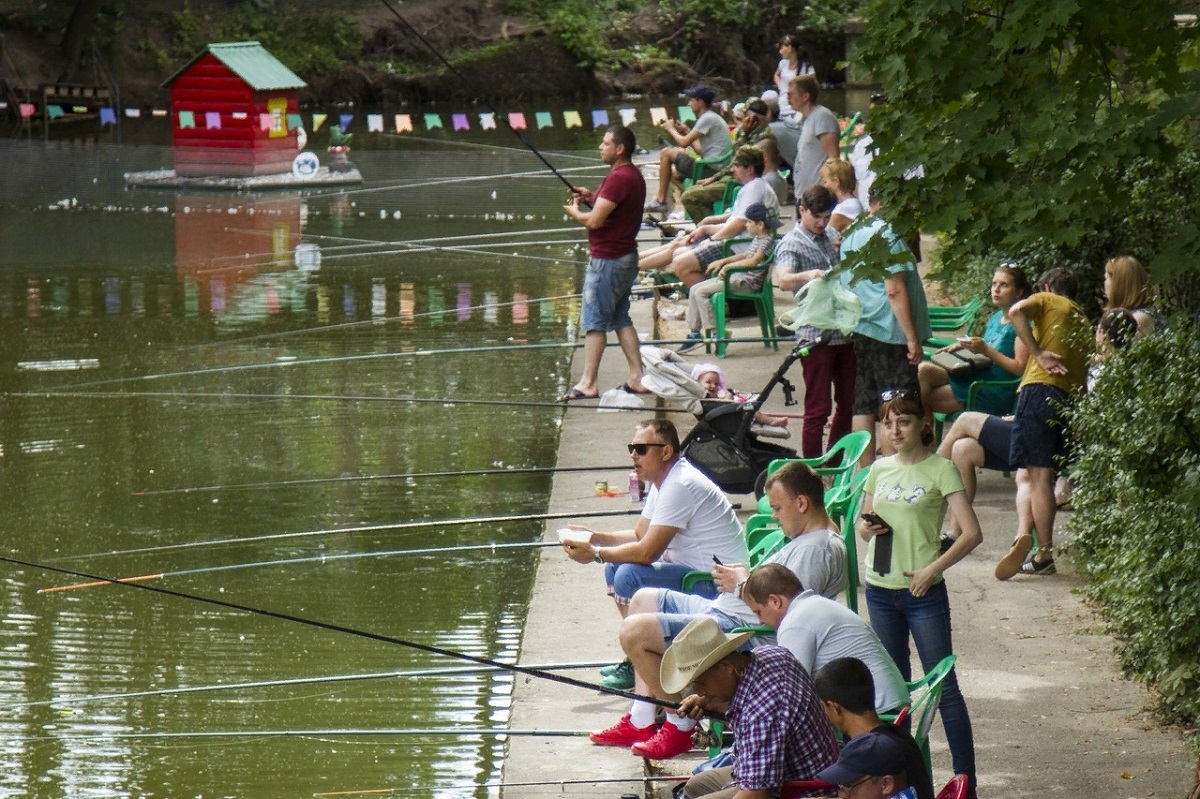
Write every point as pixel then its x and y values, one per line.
pixel 695 650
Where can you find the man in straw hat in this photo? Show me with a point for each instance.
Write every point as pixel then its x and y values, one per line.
pixel 768 699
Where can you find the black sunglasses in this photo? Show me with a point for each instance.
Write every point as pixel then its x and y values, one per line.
pixel 642 449
pixel 889 394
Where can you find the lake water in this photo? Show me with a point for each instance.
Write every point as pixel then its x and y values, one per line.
pixel 141 331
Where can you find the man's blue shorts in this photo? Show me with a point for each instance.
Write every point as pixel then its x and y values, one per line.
pixel 1040 430
pixel 606 285
pixel 676 610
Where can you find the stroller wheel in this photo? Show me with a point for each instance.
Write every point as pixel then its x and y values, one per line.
pixel 760 484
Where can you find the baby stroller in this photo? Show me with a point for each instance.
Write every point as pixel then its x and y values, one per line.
pixel 722 444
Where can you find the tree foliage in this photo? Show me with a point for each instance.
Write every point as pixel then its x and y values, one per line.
pixel 1138 479
pixel 1027 117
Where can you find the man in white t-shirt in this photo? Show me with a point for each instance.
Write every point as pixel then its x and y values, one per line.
pixel 689 256
pixel 820 134
pixel 817 630
pixel 815 552
pixel 708 139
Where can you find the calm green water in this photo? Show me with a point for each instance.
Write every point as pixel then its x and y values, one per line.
pixel 113 306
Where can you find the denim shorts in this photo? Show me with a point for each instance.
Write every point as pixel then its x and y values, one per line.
pixel 676 610
pixel 1040 432
pixel 626 579
pixel 879 366
pixel 606 285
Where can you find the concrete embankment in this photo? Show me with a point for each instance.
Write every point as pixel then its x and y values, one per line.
pixel 1051 713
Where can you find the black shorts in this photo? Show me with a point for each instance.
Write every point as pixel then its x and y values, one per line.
pixel 879 367
pixel 1040 430
pixel 996 439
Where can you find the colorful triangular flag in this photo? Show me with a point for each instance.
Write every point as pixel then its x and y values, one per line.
pixel 544 120
pixel 318 120
pixel 187 119
pixel 404 123
pixel 54 111
pixel 294 121
pixel 487 121
pixel 628 116
pixel 572 119
pixel 265 121
pixel 658 116
pixel 599 118
pixel 344 121
pixel 374 123
pixel 238 115
pixel 212 120
pixel 108 116
pixel 133 113
pixel 686 114
pixel 432 121
pixel 516 120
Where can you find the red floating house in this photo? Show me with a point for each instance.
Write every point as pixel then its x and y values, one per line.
pixel 229 112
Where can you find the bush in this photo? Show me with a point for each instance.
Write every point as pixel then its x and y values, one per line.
pixel 1138 488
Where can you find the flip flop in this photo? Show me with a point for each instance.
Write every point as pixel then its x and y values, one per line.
pixel 575 394
pixel 628 389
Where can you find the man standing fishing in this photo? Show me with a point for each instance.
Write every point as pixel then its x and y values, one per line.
pixel 612 225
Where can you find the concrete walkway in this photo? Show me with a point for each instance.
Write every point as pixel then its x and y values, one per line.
pixel 1051 713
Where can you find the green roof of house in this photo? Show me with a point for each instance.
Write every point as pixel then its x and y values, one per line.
pixel 251 62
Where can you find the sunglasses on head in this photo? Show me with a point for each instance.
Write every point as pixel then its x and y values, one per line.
pixel 642 449
pixel 889 394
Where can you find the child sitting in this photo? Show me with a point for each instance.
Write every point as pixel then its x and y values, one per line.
pixel 712 378
pixel 701 315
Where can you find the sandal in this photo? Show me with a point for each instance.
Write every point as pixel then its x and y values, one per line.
pixel 575 394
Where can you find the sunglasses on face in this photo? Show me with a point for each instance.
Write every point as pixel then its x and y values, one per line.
pixel 642 449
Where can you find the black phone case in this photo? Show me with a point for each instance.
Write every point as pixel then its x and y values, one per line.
pixel 882 564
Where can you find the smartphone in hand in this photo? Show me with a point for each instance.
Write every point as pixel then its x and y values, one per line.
pixel 717 561
pixel 876 519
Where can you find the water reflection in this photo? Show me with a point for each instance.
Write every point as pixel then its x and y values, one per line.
pixel 157 315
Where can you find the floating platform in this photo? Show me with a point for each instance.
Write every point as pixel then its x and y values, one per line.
pixel 167 179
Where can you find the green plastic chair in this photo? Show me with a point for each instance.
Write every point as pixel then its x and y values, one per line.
pixel 731 192
pixel 948 318
pixel 852 446
pixel 768 543
pixel 855 489
pixel 763 299
pixel 924 708
pixel 699 165
pixel 973 391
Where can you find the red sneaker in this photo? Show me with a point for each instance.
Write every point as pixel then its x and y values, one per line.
pixel 623 733
pixel 669 742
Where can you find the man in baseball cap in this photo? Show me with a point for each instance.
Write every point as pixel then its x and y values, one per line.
pixel 871 766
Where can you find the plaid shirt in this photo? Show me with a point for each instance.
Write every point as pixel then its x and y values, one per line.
pixel 801 251
pixel 782 732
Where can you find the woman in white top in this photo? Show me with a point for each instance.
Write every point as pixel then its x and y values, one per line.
pixel 838 176
pixel 789 67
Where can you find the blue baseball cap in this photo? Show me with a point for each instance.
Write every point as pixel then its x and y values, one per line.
pixel 872 754
pixel 759 213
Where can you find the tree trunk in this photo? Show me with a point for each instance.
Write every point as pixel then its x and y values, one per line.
pixel 79 29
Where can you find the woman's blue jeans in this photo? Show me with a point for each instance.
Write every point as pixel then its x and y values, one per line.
pixel 897 613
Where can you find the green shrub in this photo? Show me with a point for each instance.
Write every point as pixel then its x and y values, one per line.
pixel 1135 520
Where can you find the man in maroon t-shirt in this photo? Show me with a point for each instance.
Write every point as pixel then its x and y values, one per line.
pixel 612 225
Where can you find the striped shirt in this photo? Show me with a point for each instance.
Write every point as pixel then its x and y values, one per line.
pixel 782 732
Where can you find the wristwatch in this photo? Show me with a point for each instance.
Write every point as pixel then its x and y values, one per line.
pixel 596 555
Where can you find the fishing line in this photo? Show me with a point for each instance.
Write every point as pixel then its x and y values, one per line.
pixel 473 732
pixel 487 104
pixel 321 559
pixel 530 517
pixel 522 470
pixel 537 173
pixel 339 628
pixel 321 680
pixel 380 320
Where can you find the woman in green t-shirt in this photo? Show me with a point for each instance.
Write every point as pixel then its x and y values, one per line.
pixel 906 496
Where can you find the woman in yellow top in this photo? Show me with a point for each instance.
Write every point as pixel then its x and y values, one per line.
pixel 906 497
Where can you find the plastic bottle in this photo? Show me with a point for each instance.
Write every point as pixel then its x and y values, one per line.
pixel 635 486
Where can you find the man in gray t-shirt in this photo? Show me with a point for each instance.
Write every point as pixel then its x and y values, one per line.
pixel 709 137
pixel 820 135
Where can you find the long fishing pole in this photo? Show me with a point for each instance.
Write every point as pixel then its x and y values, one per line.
pixel 278 364
pixel 295 681
pixel 474 732
pixel 369 528
pixel 339 628
pixel 470 87
pixel 393 185
pixel 322 559
pixel 529 784
pixel 308 481
pixel 217 396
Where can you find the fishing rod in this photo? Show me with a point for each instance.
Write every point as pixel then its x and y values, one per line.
pixel 217 396
pixel 530 784
pixel 350 631
pixel 474 732
pixel 370 528
pixel 322 559
pixel 487 104
pixel 375 356
pixel 321 680
pixel 523 470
